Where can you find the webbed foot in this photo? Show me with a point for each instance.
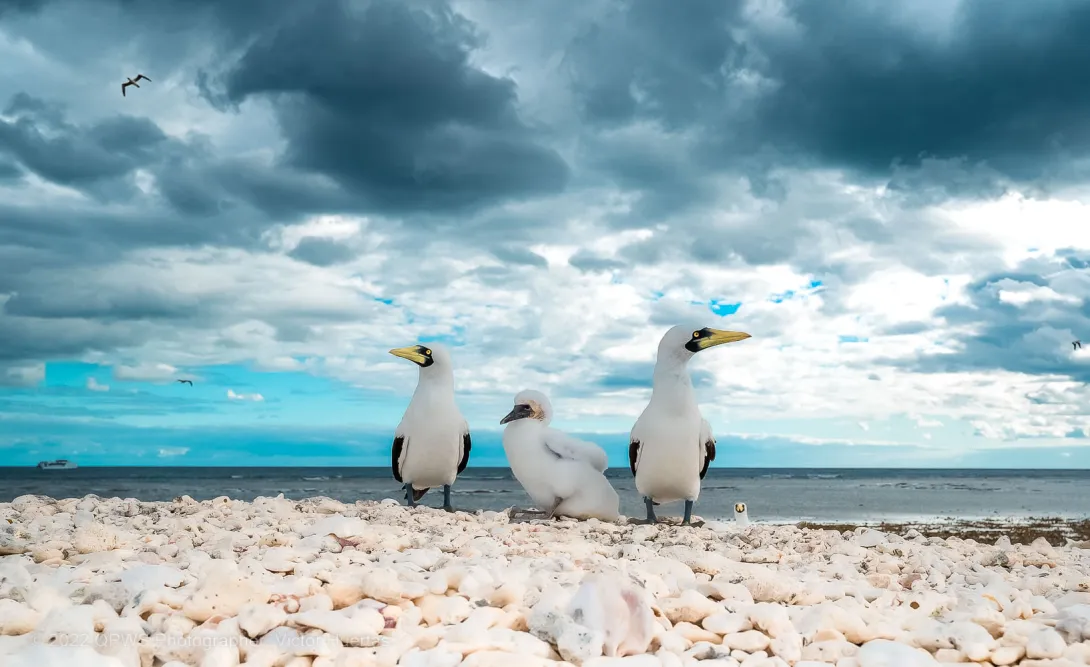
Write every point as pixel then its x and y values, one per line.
pixel 519 515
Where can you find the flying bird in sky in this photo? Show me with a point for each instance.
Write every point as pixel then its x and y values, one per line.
pixel 188 382
pixel 1076 344
pixel 132 82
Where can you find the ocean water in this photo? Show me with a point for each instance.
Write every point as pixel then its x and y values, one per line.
pixel 771 494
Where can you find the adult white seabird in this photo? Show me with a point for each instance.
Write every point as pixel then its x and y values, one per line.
pixel 563 475
pixel 432 443
pixel 671 444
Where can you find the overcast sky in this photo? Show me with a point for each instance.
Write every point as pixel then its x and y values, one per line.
pixel 891 197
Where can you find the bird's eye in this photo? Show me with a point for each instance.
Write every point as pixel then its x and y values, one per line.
pixel 696 334
pixel 427 351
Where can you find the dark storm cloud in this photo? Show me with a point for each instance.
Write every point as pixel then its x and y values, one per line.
pixel 513 254
pixel 48 297
pixel 390 107
pixel 28 338
pixel 21 6
pixel 586 261
pixel 649 59
pixel 9 170
pixel 206 186
pixel 322 251
pixel 1009 85
pixel 43 142
pixel 387 114
pixel 207 197
pixel 855 85
pixel 100 159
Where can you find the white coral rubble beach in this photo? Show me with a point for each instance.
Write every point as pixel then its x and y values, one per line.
pixel 97 582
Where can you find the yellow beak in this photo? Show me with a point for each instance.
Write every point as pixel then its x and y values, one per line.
pixel 719 337
pixel 410 352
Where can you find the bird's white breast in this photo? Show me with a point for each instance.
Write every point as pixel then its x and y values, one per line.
pixel 433 428
pixel 670 454
pixel 530 461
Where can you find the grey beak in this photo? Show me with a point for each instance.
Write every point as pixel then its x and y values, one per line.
pixel 518 412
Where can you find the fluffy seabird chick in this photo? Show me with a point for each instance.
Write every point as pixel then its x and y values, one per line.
pixel 563 475
pixel 432 443
pixel 671 444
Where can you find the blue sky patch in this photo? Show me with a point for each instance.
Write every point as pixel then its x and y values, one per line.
pixel 723 309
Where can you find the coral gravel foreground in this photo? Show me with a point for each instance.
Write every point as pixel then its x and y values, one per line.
pixel 93 582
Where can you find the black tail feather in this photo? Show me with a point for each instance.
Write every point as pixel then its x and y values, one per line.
pixel 419 493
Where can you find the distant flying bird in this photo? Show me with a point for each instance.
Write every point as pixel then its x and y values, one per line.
pixel 1076 344
pixel 132 82
pixel 188 382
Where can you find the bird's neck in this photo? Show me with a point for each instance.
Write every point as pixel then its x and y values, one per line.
pixel 435 382
pixel 521 426
pixel 671 386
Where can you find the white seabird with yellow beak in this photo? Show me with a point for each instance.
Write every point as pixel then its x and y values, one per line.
pixel 432 443
pixel 671 444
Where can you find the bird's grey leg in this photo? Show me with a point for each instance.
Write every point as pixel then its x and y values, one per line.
pixel 552 510
pixel 409 495
pixel 446 498
pixel 687 519
pixel 651 518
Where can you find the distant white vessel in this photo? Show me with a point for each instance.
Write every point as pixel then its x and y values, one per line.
pixel 59 464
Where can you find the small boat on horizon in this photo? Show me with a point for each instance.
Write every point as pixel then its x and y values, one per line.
pixel 59 464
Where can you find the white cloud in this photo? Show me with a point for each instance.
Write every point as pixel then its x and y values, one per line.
pixel 22 375
pixel 1021 294
pixel 231 395
pixel 170 452
pixel 923 422
pixel 93 385
pixel 145 372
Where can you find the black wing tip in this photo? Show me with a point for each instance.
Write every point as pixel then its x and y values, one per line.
pixel 467 444
pixel 633 454
pixel 395 454
pixel 419 493
pixel 709 456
